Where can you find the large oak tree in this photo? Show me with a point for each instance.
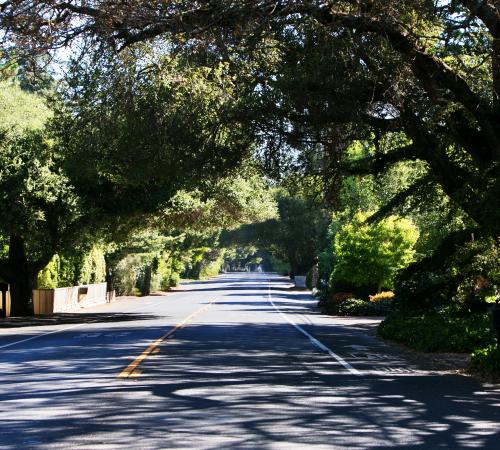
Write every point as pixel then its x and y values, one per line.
pixel 419 78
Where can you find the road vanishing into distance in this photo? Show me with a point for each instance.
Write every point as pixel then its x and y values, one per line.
pixel 242 361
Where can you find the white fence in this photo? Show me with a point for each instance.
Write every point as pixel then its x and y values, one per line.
pixel 48 301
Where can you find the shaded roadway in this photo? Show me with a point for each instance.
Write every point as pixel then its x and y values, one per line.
pixel 238 376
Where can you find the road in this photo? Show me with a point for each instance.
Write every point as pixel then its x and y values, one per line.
pixel 240 362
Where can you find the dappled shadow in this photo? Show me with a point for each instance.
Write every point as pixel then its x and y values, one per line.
pixel 71 318
pixel 233 386
pixel 258 384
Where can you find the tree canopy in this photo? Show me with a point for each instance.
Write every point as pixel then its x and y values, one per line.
pixel 162 96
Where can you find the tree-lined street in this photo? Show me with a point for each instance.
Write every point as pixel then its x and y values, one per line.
pixel 257 367
pixel 295 202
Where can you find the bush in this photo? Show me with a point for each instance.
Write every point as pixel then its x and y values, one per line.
pixel 438 331
pixel 126 274
pixel 75 269
pixel 386 295
pixel 357 307
pixel 359 290
pixel 331 300
pixel 174 279
pixel 371 254
pixel 93 267
pixel 487 360
pixel 462 274
pixel 48 277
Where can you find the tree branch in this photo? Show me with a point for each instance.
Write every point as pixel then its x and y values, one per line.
pixel 376 164
pixel 399 199
pixel 424 66
pixel 488 14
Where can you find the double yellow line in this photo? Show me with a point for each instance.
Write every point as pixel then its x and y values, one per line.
pixel 132 371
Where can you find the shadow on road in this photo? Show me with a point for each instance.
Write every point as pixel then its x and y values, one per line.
pixel 71 318
pixel 245 385
pixel 249 385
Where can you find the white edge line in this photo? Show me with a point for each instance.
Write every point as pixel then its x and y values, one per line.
pixel 313 340
pixel 42 335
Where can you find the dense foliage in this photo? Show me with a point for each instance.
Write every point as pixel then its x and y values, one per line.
pixel 123 149
pixel 371 254
pixel 373 106
pixel 296 235
pixel 439 331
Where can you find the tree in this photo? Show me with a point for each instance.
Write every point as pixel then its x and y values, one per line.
pixel 188 228
pixel 297 235
pixel 102 167
pixel 37 204
pixel 425 72
pixel 430 70
pixel 134 136
pixel 371 255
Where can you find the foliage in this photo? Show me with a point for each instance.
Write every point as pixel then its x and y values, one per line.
pixel 357 307
pixel 81 267
pixel 296 236
pixel 325 264
pixel 168 273
pixel 93 267
pixel 38 205
pixel 211 264
pixel 411 99
pixel 240 258
pixel 21 111
pixel 223 204
pixel 134 138
pixel 469 274
pixel 371 254
pixel 48 276
pixel 487 360
pixel 126 274
pixel 385 295
pixel 339 297
pixel 278 265
pixel 438 331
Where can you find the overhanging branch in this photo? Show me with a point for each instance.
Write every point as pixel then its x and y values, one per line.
pixel 376 164
pixel 399 199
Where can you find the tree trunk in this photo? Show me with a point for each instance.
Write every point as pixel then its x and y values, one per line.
pixel 147 280
pixel 22 279
pixel 314 276
pixel 21 292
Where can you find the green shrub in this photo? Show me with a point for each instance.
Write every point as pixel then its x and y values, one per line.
pixel 174 279
pixel 357 307
pixel 67 273
pixel 126 273
pixel 438 331
pixel 487 360
pixel 75 269
pixel 48 277
pixel 93 268
pixel 370 255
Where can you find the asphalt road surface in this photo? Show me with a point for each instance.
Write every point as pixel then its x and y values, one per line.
pixel 239 362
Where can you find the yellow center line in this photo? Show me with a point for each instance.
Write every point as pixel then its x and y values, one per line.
pixel 131 370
